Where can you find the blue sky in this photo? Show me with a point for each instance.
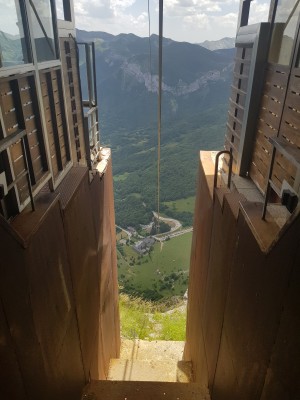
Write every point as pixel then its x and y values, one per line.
pixel 184 20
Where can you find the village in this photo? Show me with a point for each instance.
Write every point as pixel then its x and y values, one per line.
pixel 143 244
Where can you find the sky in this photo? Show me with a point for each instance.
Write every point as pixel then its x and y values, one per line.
pixel 184 20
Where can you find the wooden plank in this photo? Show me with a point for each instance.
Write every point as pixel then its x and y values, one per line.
pixel 16 150
pixel 33 138
pixel 278 76
pixel 270 118
pixel 35 151
pixel 7 103
pixel 26 96
pixel 28 110
pixel 19 166
pixel 263 142
pixel 294 85
pixel 275 91
pixel 280 172
pixel 284 365
pixel 113 390
pixel 11 382
pixel 257 177
pixel 272 104
pixel 260 164
pixel 16 302
pixel 292 134
pixel 255 302
pixel 262 154
pixel 266 129
pixel 291 117
pixel 289 151
pixel 54 164
pixel 10 121
pixel 22 186
pixel 293 100
pixel 44 88
pixel 287 165
pixel 221 252
pixel 30 125
pixel 78 219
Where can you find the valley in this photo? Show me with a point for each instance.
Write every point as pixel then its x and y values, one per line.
pixel 196 83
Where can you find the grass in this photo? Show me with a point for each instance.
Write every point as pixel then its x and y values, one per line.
pixel 144 320
pixel 121 235
pixel 180 205
pixel 161 274
pixel 121 177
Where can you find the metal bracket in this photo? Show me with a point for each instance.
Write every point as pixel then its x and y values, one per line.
pixel 229 152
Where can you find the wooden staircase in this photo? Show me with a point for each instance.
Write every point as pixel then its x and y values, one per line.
pixel 146 371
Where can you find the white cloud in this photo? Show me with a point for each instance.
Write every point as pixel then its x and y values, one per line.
pixel 228 20
pixel 192 21
pixel 184 20
pixel 258 12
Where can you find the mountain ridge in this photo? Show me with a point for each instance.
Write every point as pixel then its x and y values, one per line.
pixel 196 84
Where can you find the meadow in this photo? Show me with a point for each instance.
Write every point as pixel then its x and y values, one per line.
pixel 181 205
pixel 159 275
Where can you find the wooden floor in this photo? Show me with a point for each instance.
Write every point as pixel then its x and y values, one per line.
pixel 119 390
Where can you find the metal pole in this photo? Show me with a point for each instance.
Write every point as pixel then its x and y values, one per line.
pixel 159 105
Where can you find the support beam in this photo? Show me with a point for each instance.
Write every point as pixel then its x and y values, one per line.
pixel 244 13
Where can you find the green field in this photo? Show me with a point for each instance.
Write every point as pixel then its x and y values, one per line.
pixel 144 319
pixel 180 205
pixel 121 177
pixel 159 275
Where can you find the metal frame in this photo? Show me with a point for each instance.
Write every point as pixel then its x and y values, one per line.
pixel 92 150
pixel 4 145
pixel 272 17
pixel 258 36
pixel 217 167
pixel 276 141
pixel 244 13
pixel 35 68
pixel 90 71
pixel 4 71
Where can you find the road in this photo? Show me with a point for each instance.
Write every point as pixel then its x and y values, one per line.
pixel 173 222
pixel 161 237
pixel 167 235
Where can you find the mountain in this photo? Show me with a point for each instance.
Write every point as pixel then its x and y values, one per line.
pixel 225 43
pixel 192 76
pixel 10 50
pixel 196 85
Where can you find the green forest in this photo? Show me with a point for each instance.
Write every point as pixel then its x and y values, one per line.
pixel 135 166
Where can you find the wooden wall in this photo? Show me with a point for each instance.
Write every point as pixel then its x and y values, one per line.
pixel 59 321
pixel 241 332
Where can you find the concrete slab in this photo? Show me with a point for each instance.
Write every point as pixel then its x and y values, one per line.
pixel 151 350
pixel 150 370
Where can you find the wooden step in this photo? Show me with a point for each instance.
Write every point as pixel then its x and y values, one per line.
pixel 120 390
pixel 150 370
